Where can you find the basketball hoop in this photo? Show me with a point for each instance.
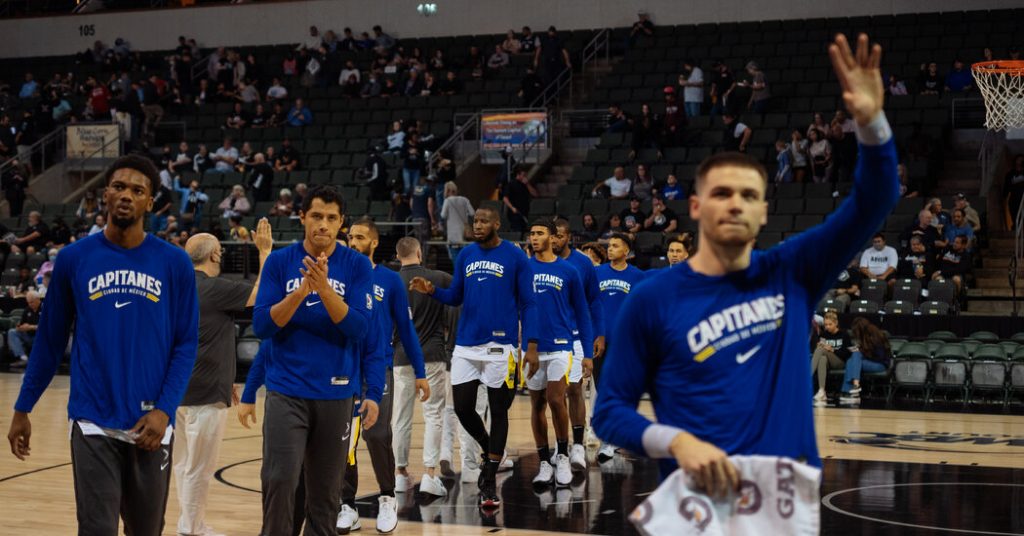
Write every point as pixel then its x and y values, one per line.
pixel 1002 86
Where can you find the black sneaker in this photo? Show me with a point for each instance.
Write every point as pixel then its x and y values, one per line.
pixel 489 495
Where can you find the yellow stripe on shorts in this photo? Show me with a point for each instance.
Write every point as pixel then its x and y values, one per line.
pixel 568 370
pixel 355 441
pixel 510 374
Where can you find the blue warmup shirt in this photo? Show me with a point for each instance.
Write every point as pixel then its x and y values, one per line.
pixel 725 358
pixel 494 286
pixel 395 315
pixel 615 285
pixel 559 293
pixel 136 318
pixel 312 357
pixel 588 275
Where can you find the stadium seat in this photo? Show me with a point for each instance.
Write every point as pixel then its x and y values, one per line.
pixel 831 304
pixel 949 375
pixel 908 290
pixel 911 367
pixel 942 290
pixel 1009 348
pixel 985 336
pixel 943 335
pixel 873 291
pixel 934 308
pixel 988 370
pixel 898 307
pixel 864 307
pixel 1015 376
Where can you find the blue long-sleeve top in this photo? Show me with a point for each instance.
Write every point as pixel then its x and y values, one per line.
pixel 312 356
pixel 588 274
pixel 494 286
pixel 136 322
pixel 396 315
pixel 725 358
pixel 561 305
pixel 615 286
pixel 372 367
pixel 185 193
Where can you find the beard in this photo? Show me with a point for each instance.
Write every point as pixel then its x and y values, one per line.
pixel 487 238
pixel 123 223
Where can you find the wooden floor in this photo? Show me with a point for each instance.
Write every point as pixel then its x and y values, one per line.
pixel 36 496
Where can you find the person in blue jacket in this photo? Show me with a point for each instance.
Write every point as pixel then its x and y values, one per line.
pixel 131 300
pixel 720 341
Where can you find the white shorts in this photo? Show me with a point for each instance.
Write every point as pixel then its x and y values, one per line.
pixel 576 370
pixel 554 366
pixel 493 365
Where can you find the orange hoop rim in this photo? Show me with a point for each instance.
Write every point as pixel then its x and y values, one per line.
pixel 1010 67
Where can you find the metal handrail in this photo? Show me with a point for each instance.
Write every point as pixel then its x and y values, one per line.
pixel 79 167
pixel 198 67
pixel 456 137
pixel 39 146
pixel 553 90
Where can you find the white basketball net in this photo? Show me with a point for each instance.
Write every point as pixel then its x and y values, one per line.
pixel 1002 87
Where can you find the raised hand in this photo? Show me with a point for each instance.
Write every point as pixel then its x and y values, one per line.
pixel 860 77
pixel 264 238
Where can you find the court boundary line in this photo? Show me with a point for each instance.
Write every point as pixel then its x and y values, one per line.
pixel 39 470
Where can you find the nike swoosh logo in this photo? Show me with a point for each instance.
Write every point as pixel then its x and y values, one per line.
pixel 310 304
pixel 481 279
pixel 163 466
pixel 118 305
pixel 612 293
pixel 542 291
pixel 742 358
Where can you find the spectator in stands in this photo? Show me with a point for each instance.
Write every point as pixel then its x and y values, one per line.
pixel 633 218
pixel 29 88
pixel 847 287
pixel 59 106
pixel 382 41
pixel 162 201
pixel 237 119
pixel 236 203
pixel 722 86
pixel 437 61
pixel 831 351
pixel 590 231
pixel 348 72
pixel 298 198
pixel 735 135
pixel 422 208
pixel 60 233
pixel 643 28
pixel 516 197
pixel 202 161
pixel 34 237
pixel 673 123
pixel 475 62
pixel 783 162
pixel 671 190
pixel 960 203
pixel 21 337
pixel 1013 190
pixel 528 42
pixel 941 217
pixel 615 187
pixel 873 355
pixel 955 262
pixel 758 85
pixel 98 223
pixel 499 60
pixel 288 160
pixel 8 132
pixel 372 87
pixel 396 139
pixel 929 82
pixel 276 91
pixel 646 131
pixel 14 182
pixel 923 228
pixel 662 219
pixel 259 118
pixel 451 85
pixel 820 151
pixel 896 86
pixel 312 41
pixel 611 226
pixel 917 262
pixel 365 42
pixel 300 115
pixel 224 93
pixel 225 157
pixel 375 173
pixel 842 119
pixel 182 160
pixel 192 200
pixel 618 121
pixel 203 93
pixel 457 215
pixel 693 87
pixel 284 205
pixel 798 154
pixel 413 84
pixel 958 227
pixel 511 44
pixel 844 154
pixel 98 105
pixel 959 79
pixel 430 85
pixel 879 261
pixel 261 178
pixel 551 58
pixel 247 92
pixel 908 185
pixel 643 184
pixel 820 125
pixel 412 167
pixel 348 41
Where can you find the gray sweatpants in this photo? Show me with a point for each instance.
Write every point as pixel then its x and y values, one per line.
pixel 308 436
pixel 821 361
pixel 115 478
pixel 378 441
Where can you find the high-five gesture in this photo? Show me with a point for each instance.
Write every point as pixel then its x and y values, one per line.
pixel 264 237
pixel 421 285
pixel 860 76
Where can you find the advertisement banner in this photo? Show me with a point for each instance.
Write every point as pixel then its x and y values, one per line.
pixel 515 129
pixel 93 141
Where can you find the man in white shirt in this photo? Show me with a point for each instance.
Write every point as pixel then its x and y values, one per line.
pixel 226 156
pixel 879 261
pixel 618 184
pixel 277 91
pixel 349 70
pixel 693 92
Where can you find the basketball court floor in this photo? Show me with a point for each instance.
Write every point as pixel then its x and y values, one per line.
pixel 886 472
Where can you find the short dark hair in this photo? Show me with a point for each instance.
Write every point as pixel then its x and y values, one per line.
pixel 138 163
pixel 597 248
pixel 370 225
pixel 561 223
pixel 491 210
pixel 961 211
pixel 683 239
pixel 546 223
pixel 326 193
pixel 625 239
pixel 878 235
pixel 730 159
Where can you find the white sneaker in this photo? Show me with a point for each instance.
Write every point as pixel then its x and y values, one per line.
pixel 563 471
pixel 432 485
pixel 578 457
pixel 849 400
pixel 563 502
pixel 820 398
pixel 606 453
pixel 469 475
pixel 590 439
pixel 545 474
pixel 401 483
pixel 387 514
pixel 855 391
pixel 348 519
pixel 506 463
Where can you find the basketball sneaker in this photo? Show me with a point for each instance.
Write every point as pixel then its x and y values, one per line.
pixel 820 398
pixel 578 457
pixel 545 474
pixel 606 453
pixel 401 483
pixel 563 471
pixel 488 486
pixel 432 485
pixel 387 514
pixel 348 520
